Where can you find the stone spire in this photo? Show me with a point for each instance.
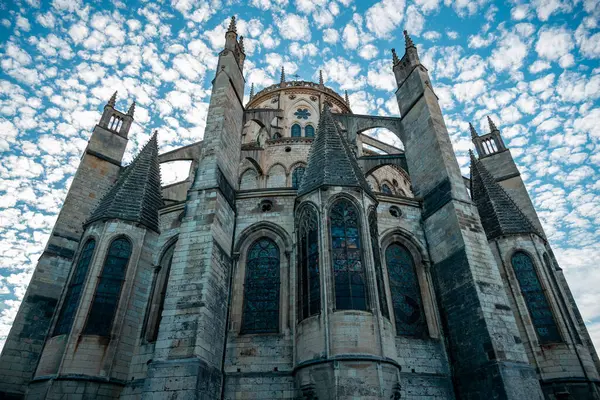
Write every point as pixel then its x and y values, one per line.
pixel 493 127
pixel 232 25
pixel 252 91
pixel 282 79
pixel 346 98
pixel 499 214
pixel 395 58
pixel 136 196
pixel 241 43
pixel 321 77
pixel 131 109
pixel 113 100
pixel 408 40
pixel 473 131
pixel 331 162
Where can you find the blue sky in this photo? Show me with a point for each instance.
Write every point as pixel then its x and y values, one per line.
pixel 534 67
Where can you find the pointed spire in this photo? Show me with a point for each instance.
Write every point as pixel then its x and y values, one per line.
pixel 113 100
pixel 473 131
pixel 499 214
pixel 232 25
pixel 346 98
pixel 320 77
pixel 492 125
pixel 136 196
pixel 282 80
pixel 131 109
pixel 331 161
pixel 408 40
pixel 252 91
pixel 241 42
pixel 395 58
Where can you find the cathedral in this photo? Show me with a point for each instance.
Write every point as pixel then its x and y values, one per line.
pixel 300 259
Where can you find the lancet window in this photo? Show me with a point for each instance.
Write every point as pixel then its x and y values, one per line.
pixel 159 292
pixel 309 131
pixel 69 307
pixel 348 266
pixel 537 303
pixel 297 177
pixel 308 263
pixel 406 294
pixel 374 233
pixel 296 130
pixel 261 288
pixel 108 291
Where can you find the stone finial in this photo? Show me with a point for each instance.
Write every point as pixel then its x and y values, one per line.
pixel 113 100
pixel 320 77
pixel 241 43
pixel 395 58
pixel 346 98
pixel 471 155
pixel 232 26
pixel 282 80
pixel 251 91
pixel 408 40
pixel 131 109
pixel 473 131
pixel 492 125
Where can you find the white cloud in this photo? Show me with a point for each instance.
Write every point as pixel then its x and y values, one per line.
pixel 350 37
pixel 432 35
pixel 509 54
pixel 330 35
pixel 545 8
pixel 414 20
pixel 380 76
pixel 293 27
pixel 554 43
pixel 368 51
pixel 466 92
pixel 520 12
pixel 344 73
pixel 78 32
pixel 383 17
pixel 539 66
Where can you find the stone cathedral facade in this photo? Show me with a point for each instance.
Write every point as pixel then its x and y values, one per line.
pixel 301 259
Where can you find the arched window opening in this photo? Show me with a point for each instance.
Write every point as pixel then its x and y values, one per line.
pixel 69 307
pixel 296 130
pixel 159 292
pixel 348 268
pixel 297 177
pixel 261 288
pixel 385 188
pixel 309 131
pixel 537 303
pixel 108 291
pixel 374 232
pixel 308 263
pixel 406 294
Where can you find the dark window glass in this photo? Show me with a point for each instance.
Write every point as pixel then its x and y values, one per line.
pixel 374 232
pixel 297 177
pixel 302 113
pixel 159 291
pixel 261 289
pixel 385 188
pixel 309 131
pixel 296 130
pixel 69 307
pixel 308 263
pixel 406 295
pixel 537 303
pixel 108 291
pixel 348 269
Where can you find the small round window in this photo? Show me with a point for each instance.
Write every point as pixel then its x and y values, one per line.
pixel 395 211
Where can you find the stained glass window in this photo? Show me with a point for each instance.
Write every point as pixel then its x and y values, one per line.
pixel 385 188
pixel 108 291
pixel 309 131
pixel 302 113
pixel 374 232
pixel 296 130
pixel 297 177
pixel 69 307
pixel 537 303
pixel 159 292
pixel 261 289
pixel 406 295
pixel 348 269
pixel 308 263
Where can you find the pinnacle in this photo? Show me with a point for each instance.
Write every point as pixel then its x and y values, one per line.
pixel 320 77
pixel 131 109
pixel 492 125
pixel 282 75
pixel 241 42
pixel 346 98
pixel 473 131
pixel 251 91
pixel 113 99
pixel 232 26
pixel 395 58
pixel 409 42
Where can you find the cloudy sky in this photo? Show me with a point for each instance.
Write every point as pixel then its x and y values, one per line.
pixel 534 67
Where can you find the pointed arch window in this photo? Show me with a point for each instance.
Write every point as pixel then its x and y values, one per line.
pixel 261 288
pixel 296 130
pixel 385 188
pixel 348 267
pixel 69 307
pixel 406 294
pixel 159 292
pixel 535 298
pixel 374 233
pixel 108 291
pixel 309 131
pixel 308 264
pixel 297 177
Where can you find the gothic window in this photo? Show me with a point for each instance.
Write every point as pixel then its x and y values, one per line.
pixel 537 303
pixel 406 295
pixel 374 232
pixel 309 131
pixel 261 288
pixel 296 130
pixel 108 291
pixel 308 263
pixel 348 268
pixel 385 188
pixel 159 291
pixel 69 307
pixel 297 177
pixel 302 113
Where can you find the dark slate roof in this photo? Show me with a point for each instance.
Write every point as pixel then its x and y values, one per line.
pixel 499 214
pixel 136 196
pixel 331 162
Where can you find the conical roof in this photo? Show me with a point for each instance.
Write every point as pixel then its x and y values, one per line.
pixel 500 215
pixel 136 196
pixel 331 162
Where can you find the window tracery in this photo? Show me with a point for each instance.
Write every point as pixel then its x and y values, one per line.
pixel 308 263
pixel 302 113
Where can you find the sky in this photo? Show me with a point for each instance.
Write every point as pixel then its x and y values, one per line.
pixel 533 67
